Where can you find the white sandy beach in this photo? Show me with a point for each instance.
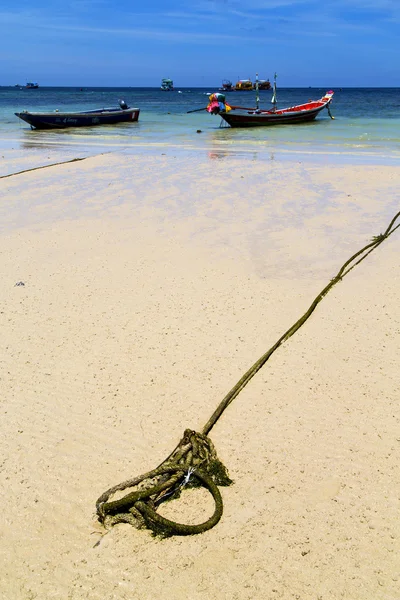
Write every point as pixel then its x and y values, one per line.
pixel 151 283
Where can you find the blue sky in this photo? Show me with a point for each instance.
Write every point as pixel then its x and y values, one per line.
pixel 324 43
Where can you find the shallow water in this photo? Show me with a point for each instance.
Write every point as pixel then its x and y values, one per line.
pixel 366 127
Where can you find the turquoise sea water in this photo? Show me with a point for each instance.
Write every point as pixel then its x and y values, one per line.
pixel 366 127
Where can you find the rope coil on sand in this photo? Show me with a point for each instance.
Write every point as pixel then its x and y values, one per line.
pixel 194 461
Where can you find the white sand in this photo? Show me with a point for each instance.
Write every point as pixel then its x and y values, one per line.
pixel 151 285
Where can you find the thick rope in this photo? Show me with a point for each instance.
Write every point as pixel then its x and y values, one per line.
pixel 343 271
pixel 195 456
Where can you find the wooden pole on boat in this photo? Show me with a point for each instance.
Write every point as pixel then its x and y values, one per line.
pixel 196 110
pixel 274 100
pixel 257 96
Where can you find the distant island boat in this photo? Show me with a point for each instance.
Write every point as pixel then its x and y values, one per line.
pixel 167 85
pixel 99 116
pixel 31 86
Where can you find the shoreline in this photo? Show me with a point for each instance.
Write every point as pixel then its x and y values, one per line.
pixel 151 284
pixel 40 155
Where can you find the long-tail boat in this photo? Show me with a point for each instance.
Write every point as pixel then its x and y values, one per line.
pixel 87 118
pixel 239 116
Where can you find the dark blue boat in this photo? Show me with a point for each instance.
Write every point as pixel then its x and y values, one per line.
pixel 90 118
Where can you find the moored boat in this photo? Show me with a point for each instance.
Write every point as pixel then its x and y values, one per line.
pixel 90 118
pixel 240 116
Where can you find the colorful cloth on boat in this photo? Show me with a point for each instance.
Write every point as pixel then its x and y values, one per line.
pixel 217 104
pixel 218 97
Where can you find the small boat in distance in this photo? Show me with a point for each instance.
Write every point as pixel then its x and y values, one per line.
pixel 31 86
pixel 263 84
pixel 167 85
pixel 89 118
pixel 239 116
pixel 227 86
pixel 244 85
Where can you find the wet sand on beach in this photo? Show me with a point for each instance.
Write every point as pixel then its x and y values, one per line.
pixel 150 285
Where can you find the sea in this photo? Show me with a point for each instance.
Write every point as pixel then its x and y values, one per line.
pixel 365 128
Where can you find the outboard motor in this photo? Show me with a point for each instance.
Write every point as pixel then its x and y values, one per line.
pixel 123 104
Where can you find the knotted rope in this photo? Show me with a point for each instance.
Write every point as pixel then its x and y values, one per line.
pixel 194 461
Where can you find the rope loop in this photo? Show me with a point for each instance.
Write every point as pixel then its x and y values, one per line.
pixel 166 527
pixel 194 462
pixel 195 457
